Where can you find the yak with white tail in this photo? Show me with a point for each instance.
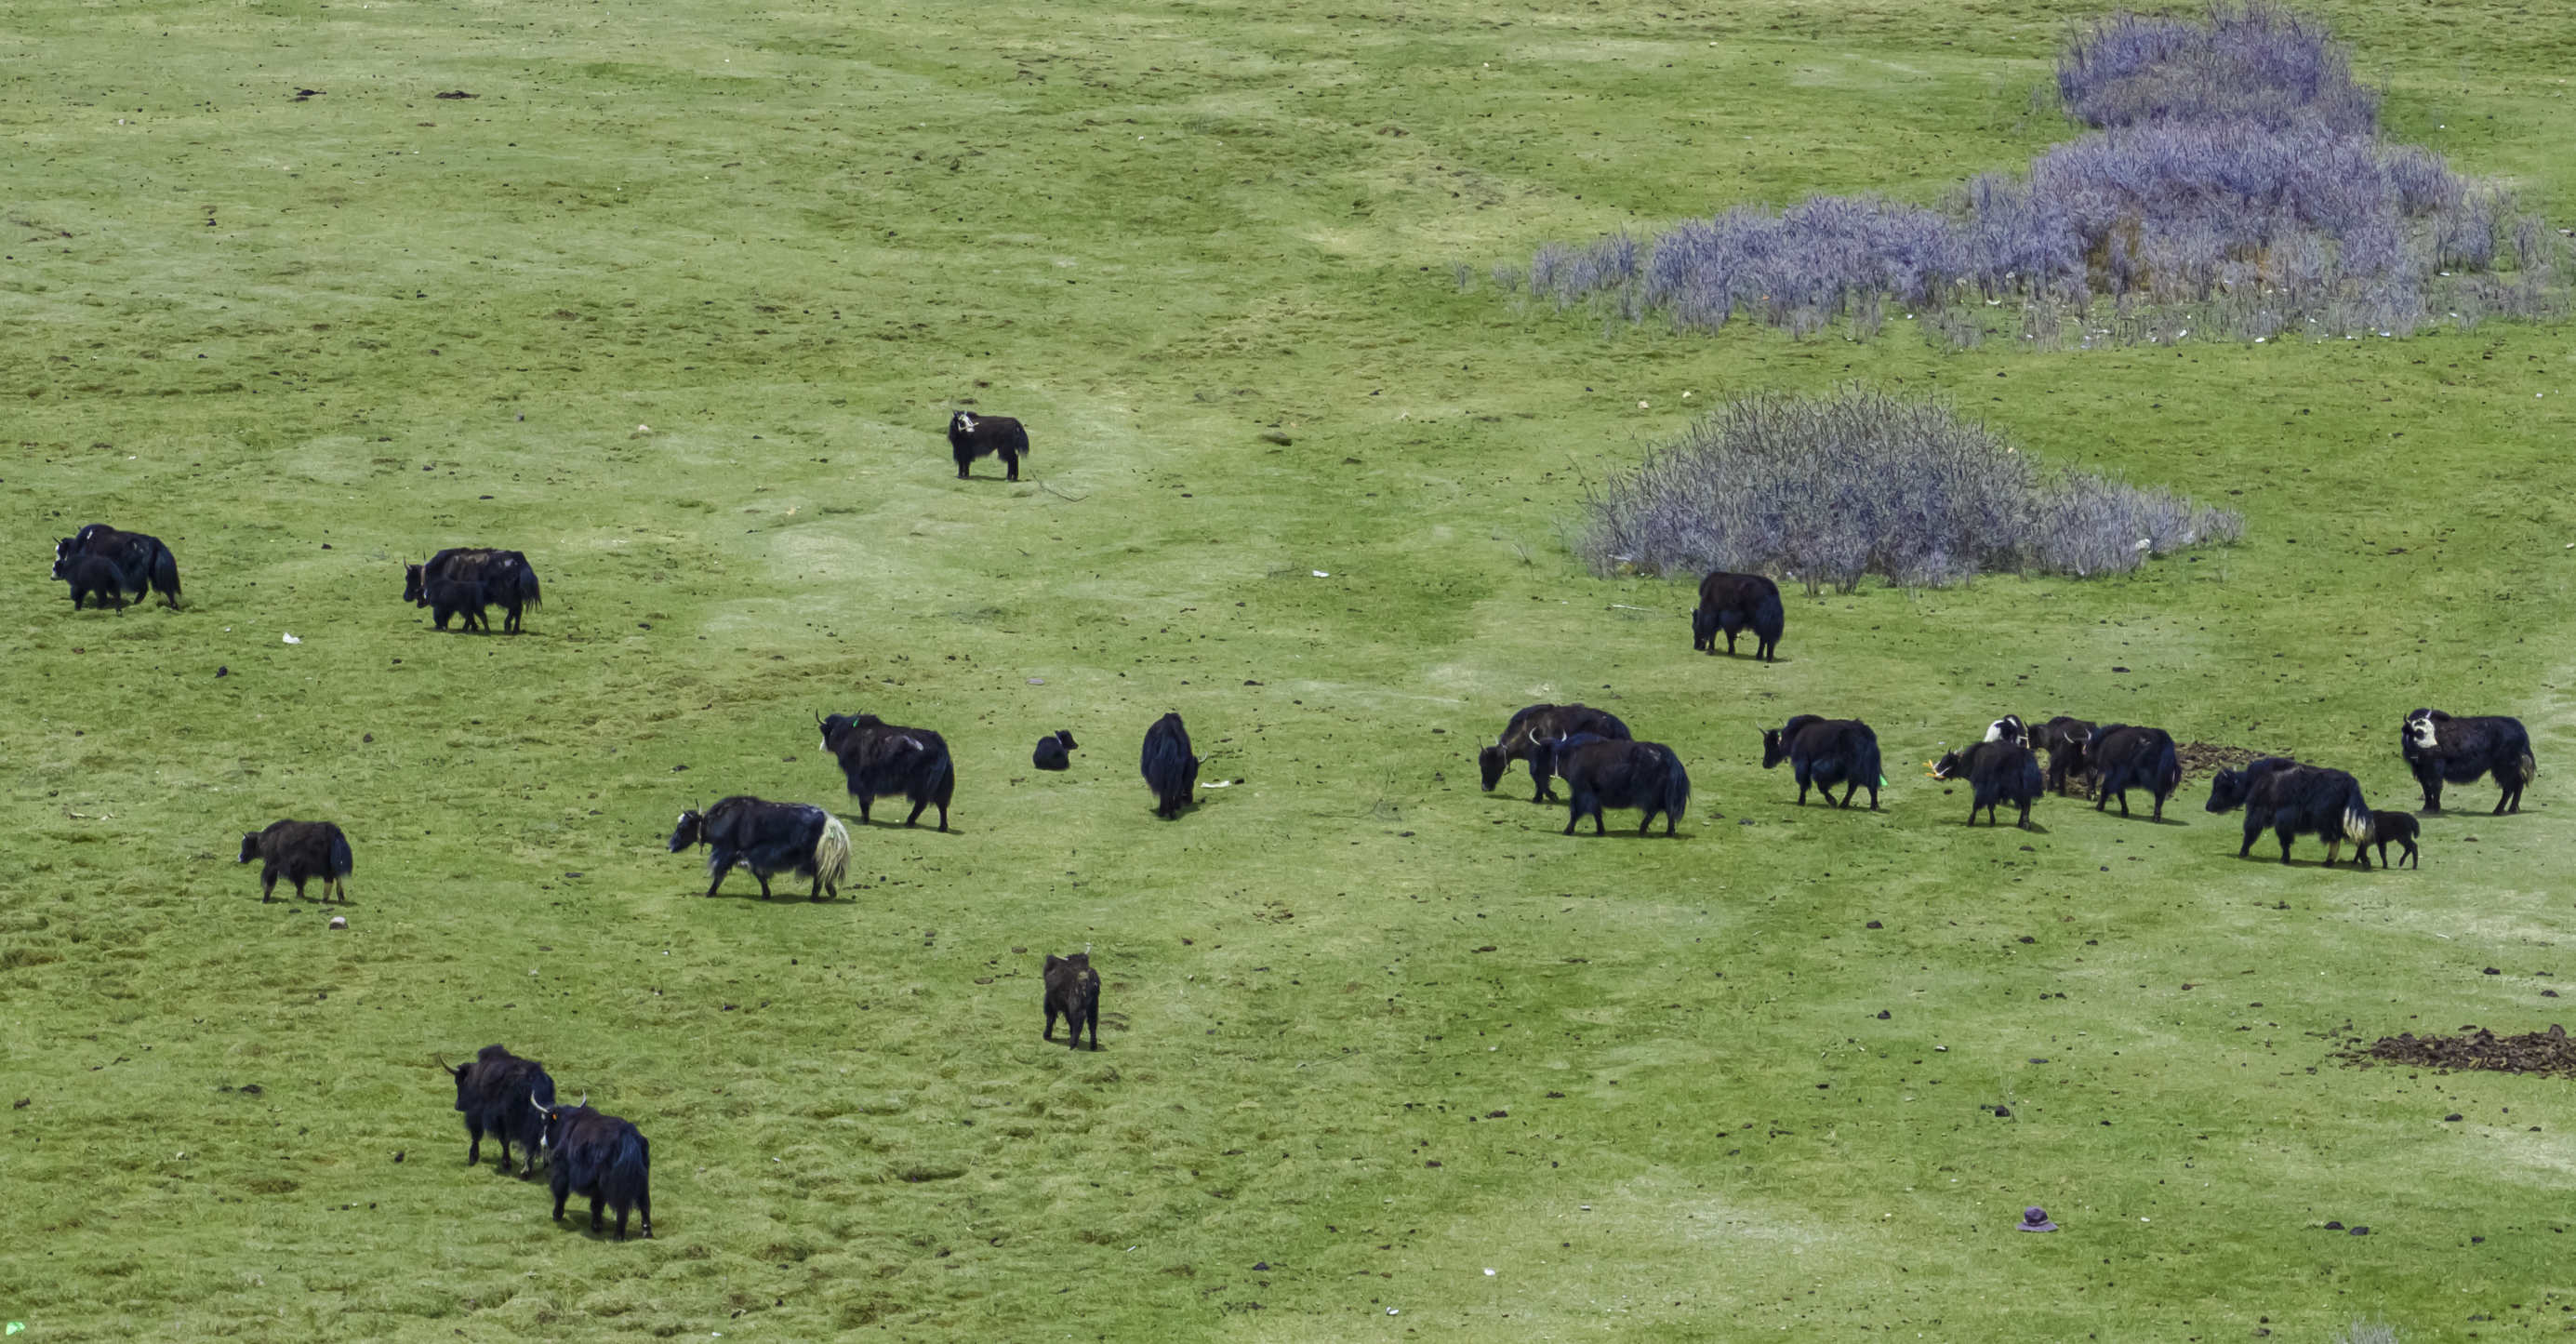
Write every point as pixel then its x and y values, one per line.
pixel 767 838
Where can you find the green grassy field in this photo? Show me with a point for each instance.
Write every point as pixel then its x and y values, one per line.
pixel 678 302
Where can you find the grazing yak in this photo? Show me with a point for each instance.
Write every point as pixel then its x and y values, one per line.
pixel 1072 992
pixel 299 851
pixel 1732 604
pixel 2125 758
pixel 971 436
pixel 1824 752
pixel 745 832
pixel 1606 772
pixel 142 562
pixel 490 1091
pixel 507 581
pixel 2292 800
pixel 2002 770
pixel 2385 827
pixel 599 1157
pixel 459 597
pixel 1526 736
pixel 92 575
pixel 2063 738
pixel 2442 748
pixel 881 760
pixel 1054 751
pixel 2009 728
pixel 1169 768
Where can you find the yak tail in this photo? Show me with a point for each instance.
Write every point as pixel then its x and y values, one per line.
pixel 2356 816
pixel 342 862
pixel 165 574
pixel 527 585
pixel 630 1167
pixel 832 852
pixel 1676 785
pixel 2525 769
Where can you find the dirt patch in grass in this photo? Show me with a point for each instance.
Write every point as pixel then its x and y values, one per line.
pixel 2205 758
pixel 2532 1052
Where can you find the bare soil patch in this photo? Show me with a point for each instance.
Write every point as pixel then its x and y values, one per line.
pixel 2545 1052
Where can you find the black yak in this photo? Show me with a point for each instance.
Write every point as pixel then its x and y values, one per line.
pixel 1169 768
pixel 493 1092
pixel 509 582
pixel 1999 771
pixel 881 760
pixel 2386 827
pixel 2125 758
pixel 1824 752
pixel 971 436
pixel 454 597
pixel 142 562
pixel 299 851
pixel 2442 748
pixel 1605 772
pixel 2292 800
pixel 599 1157
pixel 1734 603
pixel 2063 738
pixel 744 832
pixel 1526 736
pixel 1054 751
pixel 92 575
pixel 1073 992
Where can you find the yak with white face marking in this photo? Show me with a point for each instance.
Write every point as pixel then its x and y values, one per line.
pixel 971 436
pixel 2442 748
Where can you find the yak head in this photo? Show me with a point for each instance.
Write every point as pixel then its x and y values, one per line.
pixel 2227 791
pixel 415 590
pixel 1950 765
pixel 2421 728
pixel 692 830
pixel 1775 746
pixel 1703 628
pixel 1492 762
pixel 557 1117
pixel 65 548
pixel 2009 728
pixel 459 1073
pixel 250 846
pixel 963 422
pixel 63 564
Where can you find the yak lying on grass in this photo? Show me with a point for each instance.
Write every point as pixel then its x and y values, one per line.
pixel 1169 768
pixel 2128 758
pixel 2442 748
pixel 881 760
pixel 1734 603
pixel 2292 800
pixel 299 851
pixel 92 575
pixel 971 436
pixel 1055 751
pixel 142 562
pixel 2002 771
pixel 1824 752
pixel 1606 772
pixel 745 832
pixel 599 1157
pixel 1073 993
pixel 493 1092
pixel 1526 736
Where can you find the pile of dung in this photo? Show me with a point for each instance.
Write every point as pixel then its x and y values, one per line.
pixel 2202 758
pixel 2544 1052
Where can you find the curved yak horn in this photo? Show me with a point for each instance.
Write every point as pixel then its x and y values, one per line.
pixel 585 1100
pixel 442 1065
pixel 532 1100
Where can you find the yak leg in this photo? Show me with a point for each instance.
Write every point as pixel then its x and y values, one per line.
pixel 917 809
pixel 943 818
pixel 2024 823
pixel 2334 850
pixel 474 1147
pixel 1011 465
pixel 644 1207
pixel 299 887
pixel 2160 807
pixel 561 1193
pixel 621 1222
pixel 596 1204
pixel 1095 1028
pixel 722 863
pixel 267 887
pixel 1049 1033
pixel 764 883
pixel 2253 828
pixel 2286 838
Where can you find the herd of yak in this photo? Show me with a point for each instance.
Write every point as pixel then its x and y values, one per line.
pixel 606 1160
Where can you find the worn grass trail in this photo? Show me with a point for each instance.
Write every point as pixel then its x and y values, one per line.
pixel 677 304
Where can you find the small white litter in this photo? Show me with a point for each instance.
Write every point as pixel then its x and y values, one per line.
pixel 1223 784
pixel 293 640
pixel 643 429
pixel 1390 1311
pixel 1037 681
pixel 1489 1273
pixel 1322 575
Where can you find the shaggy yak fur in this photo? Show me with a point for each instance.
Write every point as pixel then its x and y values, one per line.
pixel 2442 748
pixel 1526 736
pixel 299 851
pixel 1603 772
pixel 1073 993
pixel 493 1092
pixel 1997 772
pixel 2128 758
pixel 1732 604
pixel 1824 752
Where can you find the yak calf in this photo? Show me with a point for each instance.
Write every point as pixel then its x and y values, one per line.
pixel 299 851
pixel 599 1157
pixel 2386 827
pixel 92 575
pixel 1072 992
pixel 1054 751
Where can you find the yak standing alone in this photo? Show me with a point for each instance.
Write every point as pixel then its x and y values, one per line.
pixel 1824 752
pixel 599 1157
pixel 1734 603
pixel 971 436
pixel 490 1091
pixel 879 759
pixel 1169 768
pixel 745 832
pixel 300 851
pixel 2442 748
pixel 1073 993
pixel 142 563
pixel 1526 736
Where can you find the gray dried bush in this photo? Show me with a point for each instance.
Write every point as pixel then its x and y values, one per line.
pixel 1825 490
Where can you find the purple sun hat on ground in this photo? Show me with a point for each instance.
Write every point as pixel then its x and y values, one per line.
pixel 2035 1219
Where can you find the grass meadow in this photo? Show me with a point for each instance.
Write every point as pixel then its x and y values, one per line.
pixel 678 301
